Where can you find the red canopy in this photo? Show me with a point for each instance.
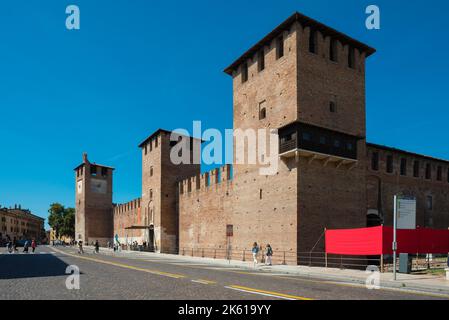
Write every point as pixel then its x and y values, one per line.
pixel 378 240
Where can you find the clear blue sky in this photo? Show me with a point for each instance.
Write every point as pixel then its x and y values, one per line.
pixel 139 65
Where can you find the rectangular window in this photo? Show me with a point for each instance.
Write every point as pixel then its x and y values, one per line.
pixel 333 50
pixel 439 173
pixel 428 171
pixel 389 163
pixel 403 167
pixel 261 60
pixel 262 110
pixel 93 170
pixel 260 194
pixel 429 202
pixel 244 73
pixel 279 47
pixel 312 41
pixel 416 169
pixel 151 194
pixel 306 136
pixel 375 161
pixel 151 171
pixel 351 60
pixel 104 172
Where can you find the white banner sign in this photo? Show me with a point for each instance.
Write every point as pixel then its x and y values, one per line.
pixel 406 213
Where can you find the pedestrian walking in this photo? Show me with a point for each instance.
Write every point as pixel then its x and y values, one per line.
pixel 269 254
pixel 80 247
pixel 97 246
pixel 33 245
pixel 255 251
pixel 26 246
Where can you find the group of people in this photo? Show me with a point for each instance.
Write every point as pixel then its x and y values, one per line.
pixel 12 246
pixel 268 254
pixel 96 245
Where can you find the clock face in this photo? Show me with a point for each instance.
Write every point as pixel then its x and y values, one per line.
pixel 80 186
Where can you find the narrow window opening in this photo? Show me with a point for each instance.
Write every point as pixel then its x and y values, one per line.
pixel 332 107
pixel 428 171
pixel 312 41
pixel 262 110
pixel 390 164
pixel 351 62
pixel 375 161
pixel 244 73
pixel 279 47
pixel 261 60
pixel 333 50
pixel 416 169
pixel 439 173
pixel 260 194
pixel 403 167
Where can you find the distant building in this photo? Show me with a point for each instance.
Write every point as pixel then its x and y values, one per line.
pixel 308 81
pixel 17 223
pixel 51 236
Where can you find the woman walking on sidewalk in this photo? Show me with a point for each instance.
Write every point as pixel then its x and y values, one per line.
pixel 269 254
pixel 255 251
pixel 33 245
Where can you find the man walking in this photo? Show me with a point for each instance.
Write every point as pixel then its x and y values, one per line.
pixel 97 247
pixel 80 247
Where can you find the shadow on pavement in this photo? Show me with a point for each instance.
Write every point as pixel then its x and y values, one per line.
pixel 15 266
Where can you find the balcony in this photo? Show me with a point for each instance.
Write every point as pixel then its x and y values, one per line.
pixel 315 143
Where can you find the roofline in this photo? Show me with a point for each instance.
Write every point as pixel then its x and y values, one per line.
pixel 321 127
pixel 305 21
pixel 392 149
pixel 157 132
pixel 94 164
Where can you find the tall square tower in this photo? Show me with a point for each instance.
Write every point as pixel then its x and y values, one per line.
pixel 306 80
pixel 93 218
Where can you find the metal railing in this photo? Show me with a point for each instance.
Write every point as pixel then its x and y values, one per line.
pixel 311 259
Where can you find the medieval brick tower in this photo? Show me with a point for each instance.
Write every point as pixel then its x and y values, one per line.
pixel 308 81
pixel 93 220
pixel 160 177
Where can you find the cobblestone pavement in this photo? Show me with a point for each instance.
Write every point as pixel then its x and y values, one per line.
pixel 43 276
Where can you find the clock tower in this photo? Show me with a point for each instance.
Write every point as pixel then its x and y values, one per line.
pixel 94 208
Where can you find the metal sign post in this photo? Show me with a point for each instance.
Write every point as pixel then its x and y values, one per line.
pixel 395 245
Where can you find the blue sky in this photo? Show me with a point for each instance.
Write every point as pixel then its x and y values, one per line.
pixel 139 65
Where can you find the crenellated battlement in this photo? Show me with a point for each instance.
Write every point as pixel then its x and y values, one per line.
pixel 127 207
pixel 205 181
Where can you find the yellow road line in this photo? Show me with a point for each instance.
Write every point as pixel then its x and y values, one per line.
pixel 268 293
pixel 121 265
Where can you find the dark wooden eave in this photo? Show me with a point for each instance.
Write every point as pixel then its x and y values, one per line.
pixel 305 22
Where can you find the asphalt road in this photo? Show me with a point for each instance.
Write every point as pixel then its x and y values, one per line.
pixel 43 276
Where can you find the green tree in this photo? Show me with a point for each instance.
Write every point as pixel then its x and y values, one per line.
pixel 55 217
pixel 62 220
pixel 68 223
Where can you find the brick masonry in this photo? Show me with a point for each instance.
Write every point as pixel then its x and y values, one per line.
pixel 182 210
